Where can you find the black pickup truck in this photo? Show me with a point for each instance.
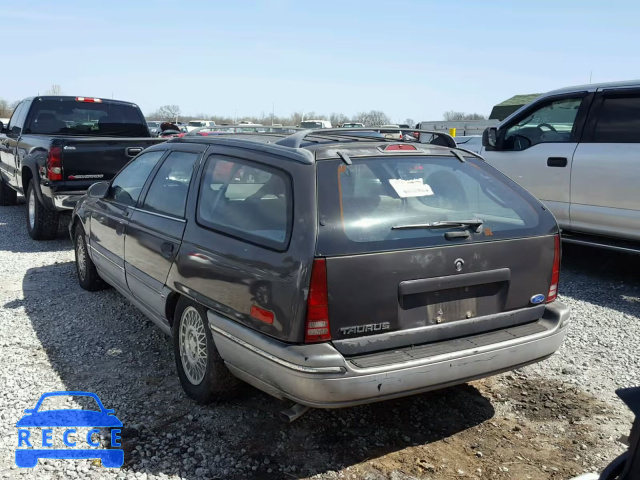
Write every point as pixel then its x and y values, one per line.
pixel 55 147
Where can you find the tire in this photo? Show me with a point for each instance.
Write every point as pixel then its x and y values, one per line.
pixel 8 196
pixel 206 380
pixel 42 223
pixel 88 276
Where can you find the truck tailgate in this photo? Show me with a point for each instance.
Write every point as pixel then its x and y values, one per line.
pixel 99 158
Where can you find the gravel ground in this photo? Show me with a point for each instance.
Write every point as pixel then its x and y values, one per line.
pixel 551 420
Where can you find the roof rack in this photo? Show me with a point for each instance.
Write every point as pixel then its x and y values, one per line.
pixel 296 139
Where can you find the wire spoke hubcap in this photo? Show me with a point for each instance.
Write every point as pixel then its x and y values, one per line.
pixel 32 209
pixel 81 258
pixel 193 345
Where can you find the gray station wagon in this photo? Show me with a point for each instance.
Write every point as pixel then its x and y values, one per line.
pixel 328 269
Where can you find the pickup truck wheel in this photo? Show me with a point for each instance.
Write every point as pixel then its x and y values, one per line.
pixel 8 196
pixel 203 374
pixel 42 223
pixel 88 276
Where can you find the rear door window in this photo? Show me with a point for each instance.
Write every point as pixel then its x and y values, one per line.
pixel 168 191
pixel 618 120
pixel 127 185
pixel 360 204
pixel 246 200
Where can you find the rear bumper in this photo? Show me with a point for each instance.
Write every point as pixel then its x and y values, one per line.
pixel 66 201
pixel 319 376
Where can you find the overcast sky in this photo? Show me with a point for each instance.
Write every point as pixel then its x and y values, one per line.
pixel 411 59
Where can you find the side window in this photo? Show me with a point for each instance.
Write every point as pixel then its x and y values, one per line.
pixel 169 188
pixel 13 121
pixel 246 200
pixel 552 122
pixel 618 120
pixel 127 185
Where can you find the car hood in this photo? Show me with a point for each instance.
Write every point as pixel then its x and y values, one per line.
pixel 69 418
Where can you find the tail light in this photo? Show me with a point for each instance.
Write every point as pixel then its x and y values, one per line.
pixel 54 164
pixel 555 275
pixel 88 100
pixel 317 322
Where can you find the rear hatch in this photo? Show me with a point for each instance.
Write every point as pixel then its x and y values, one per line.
pixel 396 279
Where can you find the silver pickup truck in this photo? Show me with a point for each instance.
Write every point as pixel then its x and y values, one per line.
pixel 578 150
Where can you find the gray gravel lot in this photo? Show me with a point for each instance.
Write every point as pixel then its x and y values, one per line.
pixel 551 420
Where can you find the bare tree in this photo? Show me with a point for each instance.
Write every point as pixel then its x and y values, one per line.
pixel 167 112
pixel 5 108
pixel 338 119
pixel 55 90
pixel 374 118
pixel 410 121
pixel 453 116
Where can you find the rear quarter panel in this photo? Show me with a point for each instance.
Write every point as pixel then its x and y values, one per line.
pixel 230 275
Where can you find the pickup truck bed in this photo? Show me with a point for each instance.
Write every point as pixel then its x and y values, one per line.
pixel 55 148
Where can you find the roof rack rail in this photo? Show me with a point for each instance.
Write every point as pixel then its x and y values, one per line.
pixel 296 139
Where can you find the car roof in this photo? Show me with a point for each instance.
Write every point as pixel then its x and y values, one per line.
pixel 317 146
pixel 592 87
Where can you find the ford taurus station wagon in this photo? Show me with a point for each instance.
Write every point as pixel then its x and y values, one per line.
pixel 328 269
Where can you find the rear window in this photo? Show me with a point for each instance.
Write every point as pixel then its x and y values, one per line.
pixel 359 204
pixel 310 124
pixel 67 116
pixel 196 124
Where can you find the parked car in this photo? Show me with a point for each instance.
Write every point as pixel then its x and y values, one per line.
pixel 391 131
pixel 399 271
pixel 315 124
pixel 168 129
pixel 154 128
pixel 55 147
pixel 577 150
pixel 193 124
pixel 352 125
pixel 473 143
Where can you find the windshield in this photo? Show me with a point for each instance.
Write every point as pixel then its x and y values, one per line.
pixel 70 117
pixel 196 124
pixel 359 204
pixel 311 124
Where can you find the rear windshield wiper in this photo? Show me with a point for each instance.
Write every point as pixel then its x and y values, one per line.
pixel 473 222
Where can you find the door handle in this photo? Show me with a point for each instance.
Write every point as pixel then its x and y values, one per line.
pixel 167 249
pixel 133 151
pixel 556 162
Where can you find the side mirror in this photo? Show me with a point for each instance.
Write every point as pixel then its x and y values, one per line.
pixel 98 190
pixel 490 137
pixel 1 127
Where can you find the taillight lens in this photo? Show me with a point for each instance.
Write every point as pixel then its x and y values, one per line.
pixel 317 324
pixel 54 164
pixel 555 276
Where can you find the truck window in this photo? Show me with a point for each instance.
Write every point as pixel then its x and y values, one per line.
pixel 67 116
pixel 618 120
pixel 17 118
pixel 552 122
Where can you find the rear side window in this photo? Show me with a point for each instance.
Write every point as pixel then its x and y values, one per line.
pixel 246 200
pixel 169 188
pixel 618 120
pixel 67 116
pixel 362 205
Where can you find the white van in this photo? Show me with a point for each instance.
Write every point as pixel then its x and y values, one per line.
pixel 315 124
pixel 578 150
pixel 193 124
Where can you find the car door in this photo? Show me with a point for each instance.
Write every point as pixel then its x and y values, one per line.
pixel 110 216
pixel 536 147
pixel 9 144
pixel 155 229
pixel 605 198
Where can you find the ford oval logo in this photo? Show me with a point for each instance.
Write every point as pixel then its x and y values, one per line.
pixel 536 299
